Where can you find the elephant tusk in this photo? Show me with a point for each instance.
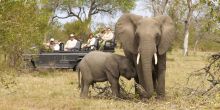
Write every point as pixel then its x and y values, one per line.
pixel 155 57
pixel 138 58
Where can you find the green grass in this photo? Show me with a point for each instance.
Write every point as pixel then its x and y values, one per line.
pixel 58 90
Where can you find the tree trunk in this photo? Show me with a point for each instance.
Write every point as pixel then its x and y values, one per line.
pixel 186 30
pixel 195 46
pixel 186 39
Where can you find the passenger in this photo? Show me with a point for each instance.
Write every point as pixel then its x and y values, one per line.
pixel 56 46
pixel 108 36
pixel 50 44
pixel 71 43
pixel 100 34
pixel 91 42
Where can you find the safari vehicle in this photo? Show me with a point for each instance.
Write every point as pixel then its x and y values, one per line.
pixel 63 59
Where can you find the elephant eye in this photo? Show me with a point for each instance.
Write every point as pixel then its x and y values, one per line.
pixel 157 35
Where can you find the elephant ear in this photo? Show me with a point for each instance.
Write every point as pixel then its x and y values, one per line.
pixel 168 33
pixel 112 67
pixel 125 29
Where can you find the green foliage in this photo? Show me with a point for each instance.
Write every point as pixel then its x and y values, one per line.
pixel 81 29
pixel 115 5
pixel 97 6
pixel 22 26
pixel 57 33
pixel 124 5
pixel 83 11
pixel 208 45
pixel 204 25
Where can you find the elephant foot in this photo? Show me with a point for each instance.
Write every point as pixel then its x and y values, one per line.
pixel 161 97
pixel 83 96
pixel 116 96
pixel 145 100
pixel 145 96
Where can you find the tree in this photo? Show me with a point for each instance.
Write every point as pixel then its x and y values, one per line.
pixel 22 26
pixel 84 10
pixel 207 19
pixel 196 20
pixel 186 30
pixel 159 6
pixel 79 28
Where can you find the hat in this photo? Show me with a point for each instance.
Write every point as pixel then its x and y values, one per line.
pixel 109 29
pixel 52 39
pixel 71 35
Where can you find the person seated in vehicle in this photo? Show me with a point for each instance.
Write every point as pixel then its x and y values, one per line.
pixel 56 46
pixel 71 43
pixel 100 34
pixel 49 45
pixel 108 36
pixel 91 42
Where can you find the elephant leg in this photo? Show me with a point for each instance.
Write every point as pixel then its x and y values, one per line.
pixel 154 75
pixel 136 78
pixel 85 91
pixel 82 86
pixel 114 85
pixel 161 75
pixel 135 85
pixel 132 58
pixel 115 88
pixel 139 79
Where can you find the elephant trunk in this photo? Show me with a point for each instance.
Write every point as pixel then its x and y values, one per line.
pixel 147 54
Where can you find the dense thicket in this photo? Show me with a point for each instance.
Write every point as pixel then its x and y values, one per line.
pixel 22 26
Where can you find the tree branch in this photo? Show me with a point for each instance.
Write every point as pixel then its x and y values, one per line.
pixel 159 6
pixel 91 9
pixel 164 6
pixel 84 12
pixel 70 13
pixel 101 10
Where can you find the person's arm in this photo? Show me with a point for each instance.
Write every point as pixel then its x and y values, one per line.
pixel 88 41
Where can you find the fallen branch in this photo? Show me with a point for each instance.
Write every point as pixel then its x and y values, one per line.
pixel 211 73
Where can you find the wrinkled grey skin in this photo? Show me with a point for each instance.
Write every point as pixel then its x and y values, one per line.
pixel 99 66
pixel 147 36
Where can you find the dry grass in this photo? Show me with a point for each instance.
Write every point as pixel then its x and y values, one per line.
pixel 58 90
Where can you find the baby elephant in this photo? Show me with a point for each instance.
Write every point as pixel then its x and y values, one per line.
pixel 99 66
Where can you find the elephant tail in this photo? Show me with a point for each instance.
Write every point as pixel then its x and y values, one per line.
pixel 79 84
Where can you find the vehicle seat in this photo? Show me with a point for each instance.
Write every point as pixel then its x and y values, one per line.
pixel 77 47
pixel 96 45
pixel 109 45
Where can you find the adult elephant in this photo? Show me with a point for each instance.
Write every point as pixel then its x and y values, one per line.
pixel 142 39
